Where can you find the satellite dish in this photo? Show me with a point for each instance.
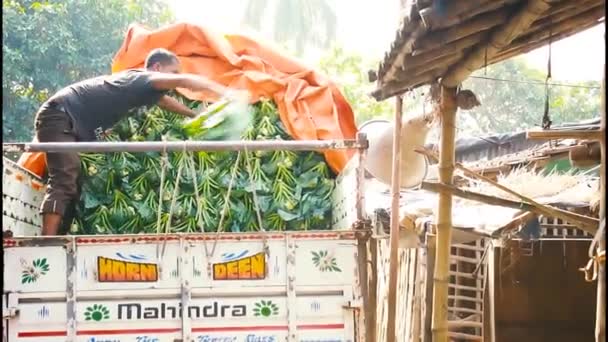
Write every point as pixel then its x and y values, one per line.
pixel 379 160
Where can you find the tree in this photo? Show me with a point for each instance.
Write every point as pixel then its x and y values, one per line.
pixel 506 106
pixel 518 102
pixel 48 45
pixel 349 72
pixel 299 23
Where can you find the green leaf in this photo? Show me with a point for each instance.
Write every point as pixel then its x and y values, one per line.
pixel 287 216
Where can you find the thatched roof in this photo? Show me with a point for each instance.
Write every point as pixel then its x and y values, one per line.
pixel 450 39
pixel 493 147
pixel 471 219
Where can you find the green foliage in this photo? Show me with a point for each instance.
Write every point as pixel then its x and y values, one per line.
pixel 297 23
pixel 48 45
pixel 505 106
pixel 121 190
pixel 512 106
pixel 349 72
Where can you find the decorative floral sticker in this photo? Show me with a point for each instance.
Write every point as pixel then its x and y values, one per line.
pixel 97 313
pixel 30 274
pixel 265 309
pixel 325 262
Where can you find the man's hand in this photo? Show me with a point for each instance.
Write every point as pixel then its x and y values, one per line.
pixel 168 103
pixel 240 96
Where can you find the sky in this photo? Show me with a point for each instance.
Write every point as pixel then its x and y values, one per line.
pixel 368 28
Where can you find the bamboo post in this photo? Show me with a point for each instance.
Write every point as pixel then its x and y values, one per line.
pixel 427 330
pixel 373 289
pixel 600 317
pixel 444 215
pixel 492 291
pixel 394 237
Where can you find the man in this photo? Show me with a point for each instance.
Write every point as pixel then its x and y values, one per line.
pixel 85 110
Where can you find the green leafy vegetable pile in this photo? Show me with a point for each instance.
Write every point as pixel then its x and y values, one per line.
pixel 120 192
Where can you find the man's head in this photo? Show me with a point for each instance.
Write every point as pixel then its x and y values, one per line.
pixel 162 60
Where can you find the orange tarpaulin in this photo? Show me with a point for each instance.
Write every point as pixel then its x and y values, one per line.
pixel 310 105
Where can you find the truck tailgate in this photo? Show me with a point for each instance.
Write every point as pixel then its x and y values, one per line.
pixel 199 287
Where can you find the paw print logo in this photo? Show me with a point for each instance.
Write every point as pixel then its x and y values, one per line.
pixel 265 309
pixel 96 313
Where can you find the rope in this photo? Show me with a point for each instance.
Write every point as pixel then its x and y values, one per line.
pixel 172 205
pixel 219 229
pixel 164 161
pixel 592 267
pixel 534 82
pixel 256 204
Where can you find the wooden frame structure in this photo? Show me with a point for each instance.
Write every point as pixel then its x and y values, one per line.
pixel 445 41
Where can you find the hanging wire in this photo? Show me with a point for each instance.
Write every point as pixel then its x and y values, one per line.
pixel 546 123
pixel 535 82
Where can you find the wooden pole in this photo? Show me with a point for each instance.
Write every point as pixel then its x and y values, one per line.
pixel 427 332
pixel 373 289
pixel 394 237
pixel 600 317
pixel 448 110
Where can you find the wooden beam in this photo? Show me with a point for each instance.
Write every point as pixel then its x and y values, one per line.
pixel 497 201
pixel 534 40
pixel 394 236
pixel 434 16
pixel 448 108
pixel 405 50
pixel 443 37
pixel 564 134
pixel 586 223
pixel 600 316
pixel 498 40
pixel 471 13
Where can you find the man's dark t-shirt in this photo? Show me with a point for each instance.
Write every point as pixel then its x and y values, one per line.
pixel 97 104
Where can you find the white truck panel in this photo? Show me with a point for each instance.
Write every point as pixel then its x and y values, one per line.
pixel 121 293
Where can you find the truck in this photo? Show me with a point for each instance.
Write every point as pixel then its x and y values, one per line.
pixel 201 287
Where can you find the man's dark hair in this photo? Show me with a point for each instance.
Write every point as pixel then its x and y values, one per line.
pixel 161 56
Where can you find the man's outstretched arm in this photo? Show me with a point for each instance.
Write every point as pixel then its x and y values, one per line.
pixel 163 81
pixel 168 103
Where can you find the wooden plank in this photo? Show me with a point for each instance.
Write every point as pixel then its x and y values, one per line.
pixel 465 259
pixel 373 293
pixel 563 134
pixel 416 327
pixel 427 332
